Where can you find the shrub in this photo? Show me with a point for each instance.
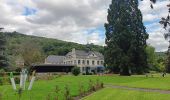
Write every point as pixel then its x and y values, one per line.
pixel 90 85
pixel 19 92
pixel 84 73
pixel 76 71
pixel 1 82
pixel 88 73
pixel 67 93
pixel 102 85
pixel 17 80
pixel 57 90
pixel 48 96
pixel 4 80
pixel 2 70
pixel 81 89
pixel 0 96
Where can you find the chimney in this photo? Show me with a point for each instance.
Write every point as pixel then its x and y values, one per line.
pixel 73 52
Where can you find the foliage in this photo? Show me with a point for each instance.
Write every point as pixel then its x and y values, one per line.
pixel 76 71
pixel 17 80
pixel 2 71
pixel 152 58
pixel 168 64
pixel 3 56
pixel 0 96
pixel 67 93
pixel 17 43
pixel 81 89
pixel 19 92
pixel 166 25
pixel 31 54
pixel 125 38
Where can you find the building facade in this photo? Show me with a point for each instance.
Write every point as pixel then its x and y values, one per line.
pixel 87 61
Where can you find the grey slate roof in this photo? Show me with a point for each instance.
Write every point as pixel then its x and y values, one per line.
pixel 55 59
pixel 84 54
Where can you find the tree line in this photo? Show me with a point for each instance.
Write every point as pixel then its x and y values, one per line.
pixel 34 50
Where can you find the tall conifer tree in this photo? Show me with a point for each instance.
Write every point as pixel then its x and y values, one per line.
pixel 125 38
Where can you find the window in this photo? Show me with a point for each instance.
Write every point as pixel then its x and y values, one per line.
pixel 101 62
pixel 83 61
pixel 87 62
pixel 74 61
pixel 93 62
pixel 79 62
pixel 97 62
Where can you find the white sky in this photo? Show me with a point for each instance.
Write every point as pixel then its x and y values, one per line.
pixel 78 21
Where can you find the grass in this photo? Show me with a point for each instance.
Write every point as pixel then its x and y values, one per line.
pixel 42 88
pixel 121 94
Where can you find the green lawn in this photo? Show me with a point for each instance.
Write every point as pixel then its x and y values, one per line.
pixel 121 94
pixel 42 88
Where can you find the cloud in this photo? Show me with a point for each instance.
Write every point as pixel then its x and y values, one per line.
pixel 60 19
pixel 151 18
pixel 157 40
pixel 74 20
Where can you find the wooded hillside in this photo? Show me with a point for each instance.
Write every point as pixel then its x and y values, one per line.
pixel 16 43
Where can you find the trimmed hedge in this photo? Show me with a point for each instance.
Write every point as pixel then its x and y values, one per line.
pixel 6 80
pixel 2 74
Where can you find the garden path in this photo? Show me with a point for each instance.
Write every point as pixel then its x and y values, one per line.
pixel 138 89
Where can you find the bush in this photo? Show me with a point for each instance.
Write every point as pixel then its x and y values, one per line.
pixel 4 80
pixel 1 82
pixel 0 96
pixel 2 70
pixel 76 71
pixel 2 74
pixel 67 93
pixel 17 80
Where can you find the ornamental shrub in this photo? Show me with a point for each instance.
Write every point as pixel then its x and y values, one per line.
pixel 76 71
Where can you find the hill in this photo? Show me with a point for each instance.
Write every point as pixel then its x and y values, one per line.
pixel 47 45
pixel 161 54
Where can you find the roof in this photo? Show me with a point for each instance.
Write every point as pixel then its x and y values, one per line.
pixel 84 54
pixel 41 68
pixel 54 59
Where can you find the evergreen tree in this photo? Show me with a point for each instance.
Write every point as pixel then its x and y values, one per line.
pixel 3 59
pixel 125 38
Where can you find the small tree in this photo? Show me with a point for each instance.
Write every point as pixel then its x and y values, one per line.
pixel 76 71
pixel 31 53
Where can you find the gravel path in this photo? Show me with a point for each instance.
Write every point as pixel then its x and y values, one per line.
pixel 138 89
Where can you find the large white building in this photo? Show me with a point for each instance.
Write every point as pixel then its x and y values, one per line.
pixel 88 61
